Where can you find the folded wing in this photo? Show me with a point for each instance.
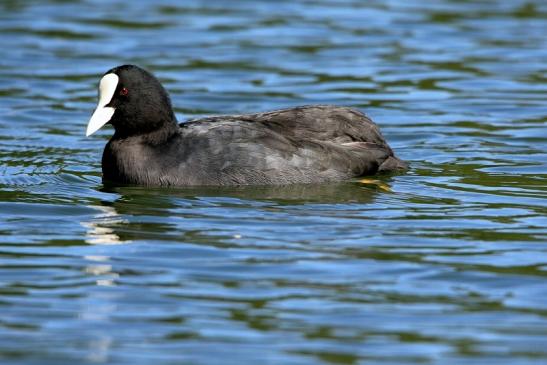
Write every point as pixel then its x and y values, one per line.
pixel 296 145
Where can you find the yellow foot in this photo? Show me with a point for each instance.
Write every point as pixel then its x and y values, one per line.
pixel 380 184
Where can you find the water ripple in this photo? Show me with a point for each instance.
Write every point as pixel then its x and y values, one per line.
pixel 445 264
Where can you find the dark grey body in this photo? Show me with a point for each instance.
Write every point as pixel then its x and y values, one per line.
pixel 306 144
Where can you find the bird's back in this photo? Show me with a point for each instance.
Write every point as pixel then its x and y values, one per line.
pixel 297 145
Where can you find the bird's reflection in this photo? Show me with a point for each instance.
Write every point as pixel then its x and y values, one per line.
pixel 99 229
pixel 361 191
pixel 141 213
pixel 99 267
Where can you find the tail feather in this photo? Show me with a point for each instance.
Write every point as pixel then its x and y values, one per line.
pixel 393 164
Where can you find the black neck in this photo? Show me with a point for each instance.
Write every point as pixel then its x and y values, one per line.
pixel 155 137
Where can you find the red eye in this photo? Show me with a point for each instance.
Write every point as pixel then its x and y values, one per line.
pixel 124 91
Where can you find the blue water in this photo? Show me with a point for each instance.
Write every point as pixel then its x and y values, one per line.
pixel 446 264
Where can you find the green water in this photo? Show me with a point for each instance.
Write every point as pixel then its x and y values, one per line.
pixel 449 267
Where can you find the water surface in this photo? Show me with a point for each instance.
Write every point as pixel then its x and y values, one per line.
pixel 449 267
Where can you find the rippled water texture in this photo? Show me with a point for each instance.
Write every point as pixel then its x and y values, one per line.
pixel 449 267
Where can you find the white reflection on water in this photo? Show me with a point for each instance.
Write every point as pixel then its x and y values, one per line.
pixel 98 232
pixel 99 306
pixel 99 350
pixel 104 271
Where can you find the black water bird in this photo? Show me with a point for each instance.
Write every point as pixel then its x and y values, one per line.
pixel 306 144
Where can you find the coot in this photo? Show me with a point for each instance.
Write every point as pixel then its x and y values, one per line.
pixel 306 144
